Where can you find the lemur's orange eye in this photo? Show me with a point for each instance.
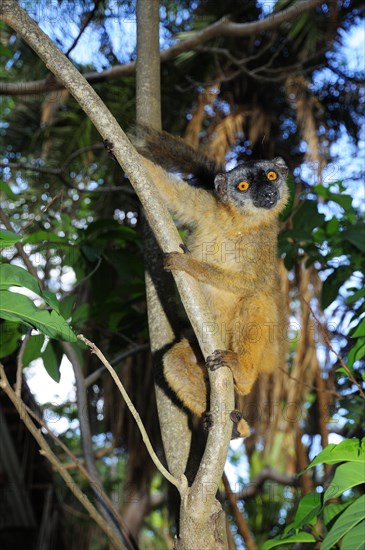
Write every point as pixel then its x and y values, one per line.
pixel 272 176
pixel 243 186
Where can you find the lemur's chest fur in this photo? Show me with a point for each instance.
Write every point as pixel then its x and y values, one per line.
pixel 237 248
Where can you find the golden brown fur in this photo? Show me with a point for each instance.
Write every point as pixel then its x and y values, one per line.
pixel 232 253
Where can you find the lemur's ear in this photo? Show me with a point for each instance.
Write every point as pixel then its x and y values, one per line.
pixel 280 164
pixel 220 184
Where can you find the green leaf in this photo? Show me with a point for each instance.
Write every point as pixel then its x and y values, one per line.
pixel 360 329
pixel 50 357
pixel 345 522
pixel 67 305
pixel 51 300
pixel 332 285
pixel 51 362
pixel 41 236
pixel 349 449
pixel 332 226
pixel 341 198
pixel 33 349
pixel 345 201
pixel 356 353
pixel 354 539
pixel 341 370
pixel 16 307
pixel 347 475
pixel 307 217
pixel 356 236
pixel 13 275
pixel 321 190
pixel 308 508
pixel 298 537
pixel 5 188
pixel 357 295
pixel 284 215
pixel 10 335
pixel 298 25
pixel 8 238
pixel 332 510
pixel 81 314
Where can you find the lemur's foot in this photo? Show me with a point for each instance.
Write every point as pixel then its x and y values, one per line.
pixel 184 248
pixel 207 421
pixel 240 426
pixel 220 358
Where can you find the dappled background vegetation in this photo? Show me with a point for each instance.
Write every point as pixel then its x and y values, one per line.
pixel 294 91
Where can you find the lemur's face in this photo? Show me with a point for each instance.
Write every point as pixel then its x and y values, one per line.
pixel 254 184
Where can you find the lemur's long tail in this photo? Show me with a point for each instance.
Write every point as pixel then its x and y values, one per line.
pixel 173 154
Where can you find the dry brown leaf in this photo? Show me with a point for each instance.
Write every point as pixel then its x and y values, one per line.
pixel 194 126
pixel 260 126
pixel 225 136
pixel 307 105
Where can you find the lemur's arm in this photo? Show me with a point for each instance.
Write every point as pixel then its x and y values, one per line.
pixel 188 203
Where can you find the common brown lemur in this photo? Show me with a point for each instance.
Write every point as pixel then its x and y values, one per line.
pixel 231 249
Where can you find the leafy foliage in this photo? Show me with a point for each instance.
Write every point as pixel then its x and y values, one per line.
pixel 343 520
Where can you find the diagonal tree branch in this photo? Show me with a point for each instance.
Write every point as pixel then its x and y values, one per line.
pixel 160 290
pixel 123 151
pixel 58 466
pixel 241 522
pixel 222 27
pixel 179 483
pixel 104 504
pixel 221 381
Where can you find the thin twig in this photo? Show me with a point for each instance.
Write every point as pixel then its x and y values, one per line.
pixel 31 168
pixel 241 522
pixel 222 27
pixel 100 453
pixel 77 463
pixel 94 349
pixel 86 149
pixel 86 19
pixel 310 386
pixel 60 173
pixel 19 369
pixel 93 377
pixel 339 357
pixel 104 505
pixel 90 274
pixel 46 451
pixel 28 264
pixel 58 195
pixel 266 474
